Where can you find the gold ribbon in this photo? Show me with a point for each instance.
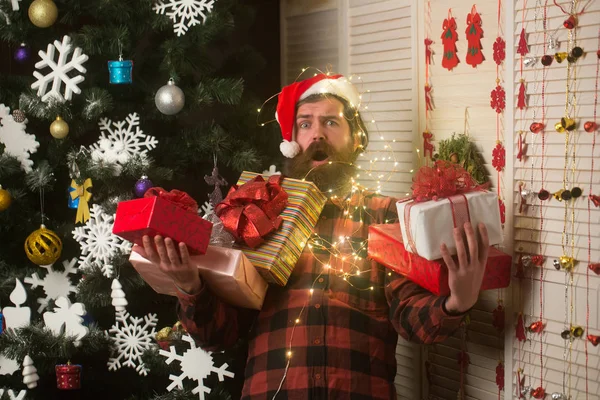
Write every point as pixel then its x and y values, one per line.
pixel 81 192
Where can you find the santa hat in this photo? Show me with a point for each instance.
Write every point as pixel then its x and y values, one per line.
pixel 290 96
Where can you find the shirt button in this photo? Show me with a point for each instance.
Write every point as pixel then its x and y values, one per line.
pixel 317 306
pixel 321 280
pixel 317 376
pixel 317 341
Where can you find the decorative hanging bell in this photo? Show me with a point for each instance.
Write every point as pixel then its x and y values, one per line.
pixel 566 262
pixel 568 123
pixel 529 61
pixel 559 128
pixel 560 57
pixel 570 22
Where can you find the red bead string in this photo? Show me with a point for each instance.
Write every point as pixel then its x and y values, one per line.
pixel 427 136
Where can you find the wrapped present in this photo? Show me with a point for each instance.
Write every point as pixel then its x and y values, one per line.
pixel 68 376
pixel 445 196
pixel 273 241
pixel 386 247
pixel 171 214
pixel 226 271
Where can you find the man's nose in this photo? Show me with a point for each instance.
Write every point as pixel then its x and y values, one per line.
pixel 318 134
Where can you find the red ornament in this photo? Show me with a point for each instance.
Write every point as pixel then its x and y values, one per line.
pixel 498 101
pixel 428 52
pixel 499 50
pixel 520 274
pixel 427 145
pixel 499 157
pixel 522 100
pixel 449 38
pixel 536 327
pixel 498 318
pixel 538 260
pixel 570 22
pixel 595 267
pixel 428 101
pixel 68 376
pixel 590 126
pixel 547 60
pixel 595 199
pixel 521 328
pixel 536 127
pixel 502 207
pixel 594 339
pixel 598 53
pixel 523 48
pixel 474 35
pixel 500 375
pixel 538 393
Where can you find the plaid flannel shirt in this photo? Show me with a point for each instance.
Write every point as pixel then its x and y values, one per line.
pixel 344 343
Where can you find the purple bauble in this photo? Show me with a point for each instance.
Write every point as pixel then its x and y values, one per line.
pixel 22 54
pixel 142 185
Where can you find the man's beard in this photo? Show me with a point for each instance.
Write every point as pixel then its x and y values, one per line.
pixel 335 177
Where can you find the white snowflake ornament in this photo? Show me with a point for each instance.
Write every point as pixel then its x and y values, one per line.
pixel 55 283
pixel 98 244
pixel 12 395
pixel 30 375
pixel 60 70
pixel 121 140
pixel 196 364
pixel 17 317
pixel 8 365
pixel 184 13
pixel 67 318
pixel 131 336
pixel 19 143
pixel 205 210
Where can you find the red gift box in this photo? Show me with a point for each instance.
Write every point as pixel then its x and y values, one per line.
pixel 68 376
pixel 386 247
pixel 162 215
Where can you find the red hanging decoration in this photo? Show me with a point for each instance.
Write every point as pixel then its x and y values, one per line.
pixel 521 99
pixel 523 49
pixel 449 38
pixel 521 328
pixel 502 207
pixel 536 327
pixel 428 51
pixel 500 375
pixel 595 267
pixel 499 157
pixel 538 393
pixel 498 318
pixel 428 101
pixel 520 274
pixel 498 101
pixel 594 339
pixel 499 50
pixel 522 147
pixel 427 145
pixel 537 260
pixel 474 35
pixel 595 199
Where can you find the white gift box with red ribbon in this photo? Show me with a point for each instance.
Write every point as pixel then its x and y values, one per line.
pixel 426 225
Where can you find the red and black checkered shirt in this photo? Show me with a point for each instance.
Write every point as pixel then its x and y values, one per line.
pixel 344 332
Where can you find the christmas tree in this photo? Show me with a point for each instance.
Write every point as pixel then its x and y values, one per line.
pixel 99 101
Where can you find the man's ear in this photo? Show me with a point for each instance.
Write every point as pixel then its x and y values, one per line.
pixel 357 141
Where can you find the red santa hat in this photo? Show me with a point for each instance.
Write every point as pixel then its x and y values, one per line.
pixel 290 96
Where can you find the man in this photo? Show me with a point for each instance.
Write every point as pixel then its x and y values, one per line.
pixel 331 332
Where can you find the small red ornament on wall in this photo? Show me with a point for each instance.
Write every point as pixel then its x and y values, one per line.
pixel 522 100
pixel 523 49
pixel 498 99
pixel 500 375
pixel 474 34
pixel 499 157
pixel 502 207
pixel 499 50
pixel 449 38
pixel 68 376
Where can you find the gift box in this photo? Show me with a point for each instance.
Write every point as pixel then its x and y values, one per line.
pixel 386 247
pixel 226 271
pixel 68 376
pixel 276 257
pixel 169 214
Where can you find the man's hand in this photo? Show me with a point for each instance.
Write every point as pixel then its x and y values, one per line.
pixel 176 264
pixel 465 278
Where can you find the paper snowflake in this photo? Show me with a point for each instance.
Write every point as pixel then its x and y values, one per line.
pixel 205 210
pixel 8 366
pixel 67 318
pixel 98 244
pixel 131 336
pixel 119 141
pixel 196 364
pixel 184 13
pixel 60 70
pixel 12 395
pixel 19 143
pixel 55 283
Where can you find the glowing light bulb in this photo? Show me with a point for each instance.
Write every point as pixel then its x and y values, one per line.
pixel 311 291
pixel 297 320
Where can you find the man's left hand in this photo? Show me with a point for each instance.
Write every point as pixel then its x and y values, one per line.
pixel 465 278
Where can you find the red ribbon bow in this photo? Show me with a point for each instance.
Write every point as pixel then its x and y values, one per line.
pixel 177 197
pixel 251 211
pixel 442 179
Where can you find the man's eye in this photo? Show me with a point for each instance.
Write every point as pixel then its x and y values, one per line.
pixel 304 125
pixel 331 123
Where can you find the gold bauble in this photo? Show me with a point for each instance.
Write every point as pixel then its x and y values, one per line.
pixel 163 334
pixel 5 199
pixel 43 247
pixel 43 13
pixel 59 129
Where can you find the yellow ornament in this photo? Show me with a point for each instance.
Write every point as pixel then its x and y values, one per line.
pixel 568 123
pixel 43 13
pixel 567 262
pixel 560 57
pixel 43 247
pixel 164 334
pixel 5 199
pixel 558 194
pixel 577 331
pixel 82 193
pixel 59 129
pixel 559 128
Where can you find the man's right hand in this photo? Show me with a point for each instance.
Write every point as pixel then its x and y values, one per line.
pixel 173 262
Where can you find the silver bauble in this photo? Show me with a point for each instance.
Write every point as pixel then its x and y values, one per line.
pixel 169 99
pixel 558 396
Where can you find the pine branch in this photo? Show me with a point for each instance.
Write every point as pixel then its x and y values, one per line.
pixel 226 91
pixel 40 178
pixel 97 102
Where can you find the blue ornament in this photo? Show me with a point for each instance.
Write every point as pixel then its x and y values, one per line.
pixel 1 323
pixel 120 72
pixel 142 186
pixel 74 204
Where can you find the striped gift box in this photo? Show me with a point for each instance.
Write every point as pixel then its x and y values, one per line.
pixel 276 257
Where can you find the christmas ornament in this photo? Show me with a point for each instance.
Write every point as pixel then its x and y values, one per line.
pixel 547 60
pixel 118 296
pixel 560 57
pixel 120 141
pixel 502 207
pixel 552 43
pixel 428 147
pixel 543 195
pixel 59 129
pixel 499 50
pixel 449 38
pixel 60 70
pixel 498 101
pixel 17 142
pixel 522 48
pixel 577 331
pixel 595 199
pixel 520 331
pixel 19 116
pixel 184 14
pixel 556 264
pixel 97 242
pixel 428 51
pixel 566 262
pixel 498 318
pixel 565 195
pixel 521 100
pixel 12 395
pixel 499 157
pixel 594 339
pixel 82 194
pixel 5 199
pixel 576 192
pixel 17 317
pixel 22 53
pixel 271 171
pixel 131 337
pixel 55 283
pixel 530 61
pixel 536 327
pixel 538 393
pixel 142 186
pixel 68 376
pixel 590 126
pixel 43 13
pixel 43 247
pixel 2 324
pixel 537 260
pixel 536 127
pixel 595 267
pixel 169 99
pixel 428 101
pixel 67 318
pixel 570 22
pixel 576 52
pixel 559 128
pixel 216 180
pixel 558 396
pixel 474 35
pixel 120 72
pixel 196 364
pixel 568 123
pixel 500 376
pixel 30 375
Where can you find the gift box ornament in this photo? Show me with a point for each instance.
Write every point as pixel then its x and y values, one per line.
pixel 120 72
pixel 68 376
pixel 445 196
pixel 272 220
pixel 171 214
pixel 386 247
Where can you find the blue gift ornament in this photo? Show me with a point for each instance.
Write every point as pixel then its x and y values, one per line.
pixel 73 203
pixel 120 72
pixel 1 323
